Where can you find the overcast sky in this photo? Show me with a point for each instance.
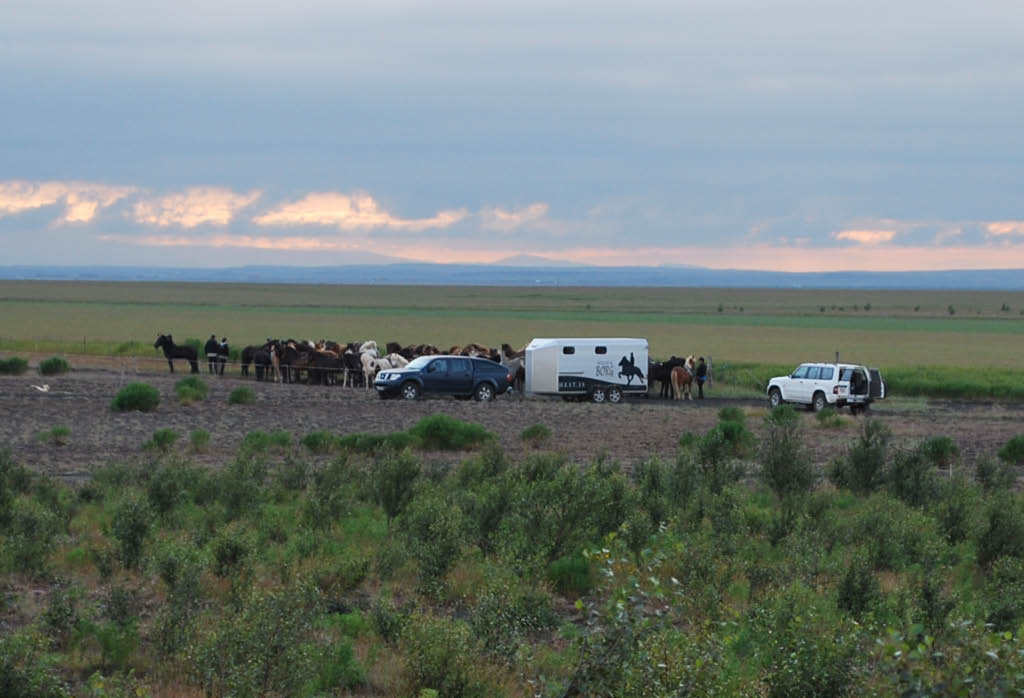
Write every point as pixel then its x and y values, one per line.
pixel 736 133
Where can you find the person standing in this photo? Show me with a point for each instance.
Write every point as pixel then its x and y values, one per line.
pixel 222 354
pixel 212 350
pixel 702 374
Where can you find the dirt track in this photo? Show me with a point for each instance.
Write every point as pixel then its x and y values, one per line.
pixel 628 433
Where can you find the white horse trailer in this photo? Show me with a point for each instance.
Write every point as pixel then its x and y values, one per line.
pixel 596 368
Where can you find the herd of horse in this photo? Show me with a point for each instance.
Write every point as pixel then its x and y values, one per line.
pixel 356 364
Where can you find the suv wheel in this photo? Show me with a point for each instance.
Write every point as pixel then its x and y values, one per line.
pixel 614 395
pixel 484 392
pixel 410 390
pixel 598 395
pixel 818 402
pixel 774 398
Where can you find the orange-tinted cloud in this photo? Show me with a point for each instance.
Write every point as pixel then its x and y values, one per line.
pixel 195 206
pixel 356 212
pixel 1005 228
pixel 500 220
pixel 81 200
pixel 865 237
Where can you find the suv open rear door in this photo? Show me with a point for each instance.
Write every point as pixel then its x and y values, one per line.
pixel 877 388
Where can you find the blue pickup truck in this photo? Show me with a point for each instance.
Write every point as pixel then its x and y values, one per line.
pixel 461 376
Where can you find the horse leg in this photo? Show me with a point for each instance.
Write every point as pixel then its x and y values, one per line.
pixel 171 364
pixel 195 365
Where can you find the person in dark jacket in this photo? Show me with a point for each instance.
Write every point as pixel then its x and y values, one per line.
pixel 222 354
pixel 212 350
pixel 702 375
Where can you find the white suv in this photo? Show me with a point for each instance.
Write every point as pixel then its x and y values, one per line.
pixel 817 385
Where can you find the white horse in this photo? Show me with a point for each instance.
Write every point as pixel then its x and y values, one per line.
pixel 397 360
pixel 371 366
pixel 369 348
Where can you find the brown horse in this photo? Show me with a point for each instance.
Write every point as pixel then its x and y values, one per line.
pixel 682 379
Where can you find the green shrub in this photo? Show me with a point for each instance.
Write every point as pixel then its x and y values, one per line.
pixel 370 443
pixel 54 366
pixel 912 478
pixel 829 418
pixel 61 614
pixel 30 535
pixel 941 451
pixel 732 414
pixel 785 465
pixel 1004 592
pixel 130 526
pixel 571 575
pixel 859 588
pixel 56 435
pixel 320 441
pixel 1002 533
pixel 163 440
pixel 439 656
pixel 536 434
pixel 1013 451
pixel 716 452
pixel 863 467
pixel 27 669
pixel 13 366
pixel 392 479
pixel 136 396
pixel 191 389
pixel 242 395
pixel 434 528
pixel 338 667
pixel 167 488
pixel 199 440
pixel 440 432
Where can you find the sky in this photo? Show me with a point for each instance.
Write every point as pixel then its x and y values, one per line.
pixel 793 135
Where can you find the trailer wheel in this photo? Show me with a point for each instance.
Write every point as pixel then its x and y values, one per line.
pixel 614 395
pixel 598 395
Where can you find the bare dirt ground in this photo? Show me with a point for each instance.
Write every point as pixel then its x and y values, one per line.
pixel 628 433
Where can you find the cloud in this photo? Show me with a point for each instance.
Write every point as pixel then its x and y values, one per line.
pixel 81 200
pixel 1005 228
pixel 256 242
pixel 865 237
pixel 500 220
pixel 356 212
pixel 193 207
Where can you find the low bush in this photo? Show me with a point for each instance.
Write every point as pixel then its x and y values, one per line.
pixel 392 479
pixel 862 469
pixel 320 441
pixel 536 434
pixel 136 396
pixel 56 435
pixel 191 389
pixel 369 443
pixel 829 418
pixel 440 432
pixel 163 440
pixel 130 526
pixel 785 465
pixel 199 439
pixel 13 366
pixel 54 366
pixel 242 395
pixel 1013 451
pixel 28 669
pixel 571 575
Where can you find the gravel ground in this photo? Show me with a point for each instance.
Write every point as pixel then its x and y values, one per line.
pixel 628 433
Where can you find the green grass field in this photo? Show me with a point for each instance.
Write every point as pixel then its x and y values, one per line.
pixel 980 342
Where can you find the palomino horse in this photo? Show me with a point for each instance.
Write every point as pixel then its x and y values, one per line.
pixel 173 351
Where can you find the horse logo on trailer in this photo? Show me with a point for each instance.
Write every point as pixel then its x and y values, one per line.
pixel 630 370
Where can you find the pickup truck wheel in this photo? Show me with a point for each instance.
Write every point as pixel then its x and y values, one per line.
pixel 614 395
pixel 818 402
pixel 410 390
pixel 598 395
pixel 484 392
pixel 774 398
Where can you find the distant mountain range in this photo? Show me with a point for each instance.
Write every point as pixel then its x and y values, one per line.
pixel 527 270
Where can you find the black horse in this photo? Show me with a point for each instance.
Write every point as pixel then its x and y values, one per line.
pixel 173 351
pixel 661 371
